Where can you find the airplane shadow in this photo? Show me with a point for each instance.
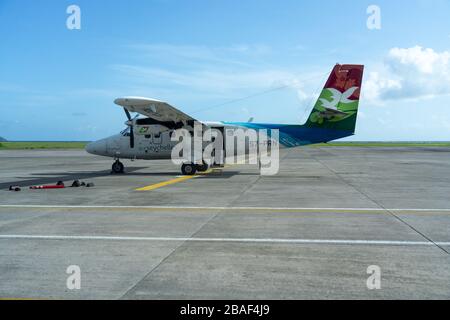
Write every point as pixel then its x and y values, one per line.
pixel 69 177
pixel 66 177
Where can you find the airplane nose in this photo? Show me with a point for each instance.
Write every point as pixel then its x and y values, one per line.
pixel 89 148
pixel 97 147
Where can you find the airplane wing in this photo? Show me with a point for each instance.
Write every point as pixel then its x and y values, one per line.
pixel 155 109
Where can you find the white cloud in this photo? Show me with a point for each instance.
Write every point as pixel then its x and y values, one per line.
pixel 426 61
pixel 410 74
pixel 376 86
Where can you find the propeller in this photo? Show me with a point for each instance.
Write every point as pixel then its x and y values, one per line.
pixel 130 124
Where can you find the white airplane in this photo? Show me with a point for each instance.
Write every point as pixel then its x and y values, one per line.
pixel 333 117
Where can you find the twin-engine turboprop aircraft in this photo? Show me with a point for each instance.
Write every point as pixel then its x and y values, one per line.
pixel 333 117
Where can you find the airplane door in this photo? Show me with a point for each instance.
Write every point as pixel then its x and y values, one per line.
pixel 143 146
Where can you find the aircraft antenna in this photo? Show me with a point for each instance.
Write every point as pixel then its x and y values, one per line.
pixel 307 107
pixel 254 95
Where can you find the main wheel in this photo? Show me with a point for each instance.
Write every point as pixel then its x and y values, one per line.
pixel 188 169
pixel 118 167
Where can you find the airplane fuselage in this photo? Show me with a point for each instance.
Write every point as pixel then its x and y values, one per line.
pixel 154 142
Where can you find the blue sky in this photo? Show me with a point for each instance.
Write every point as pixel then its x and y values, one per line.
pixel 59 84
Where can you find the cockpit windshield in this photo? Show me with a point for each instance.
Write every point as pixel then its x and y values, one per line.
pixel 125 132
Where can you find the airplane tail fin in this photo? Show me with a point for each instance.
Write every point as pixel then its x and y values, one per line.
pixel 337 106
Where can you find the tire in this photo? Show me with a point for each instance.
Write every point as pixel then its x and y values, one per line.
pixel 188 169
pixel 117 167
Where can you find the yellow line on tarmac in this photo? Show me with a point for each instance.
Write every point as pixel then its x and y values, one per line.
pixel 165 183
pixel 172 181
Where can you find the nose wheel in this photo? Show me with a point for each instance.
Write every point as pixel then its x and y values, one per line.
pixel 117 167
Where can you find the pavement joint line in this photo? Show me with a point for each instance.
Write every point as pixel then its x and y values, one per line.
pixel 232 240
pixel 305 209
pixel 179 245
pixel 391 212
pixel 418 231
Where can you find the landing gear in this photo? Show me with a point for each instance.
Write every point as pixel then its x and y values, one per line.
pixel 188 169
pixel 203 168
pixel 117 167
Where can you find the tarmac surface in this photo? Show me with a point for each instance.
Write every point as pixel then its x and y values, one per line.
pixel 310 232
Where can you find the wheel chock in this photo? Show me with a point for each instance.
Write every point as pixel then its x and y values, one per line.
pixel 76 184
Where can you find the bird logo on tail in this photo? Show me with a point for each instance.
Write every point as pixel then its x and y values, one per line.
pixel 338 97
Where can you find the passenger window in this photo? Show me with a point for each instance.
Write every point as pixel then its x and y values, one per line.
pixel 148 136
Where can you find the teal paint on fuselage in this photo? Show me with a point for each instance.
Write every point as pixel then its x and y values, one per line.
pixel 297 135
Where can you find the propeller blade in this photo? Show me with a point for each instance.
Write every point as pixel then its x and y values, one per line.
pixel 131 137
pixel 127 113
pixel 130 124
